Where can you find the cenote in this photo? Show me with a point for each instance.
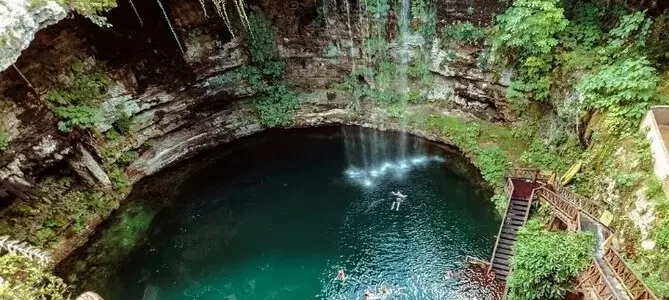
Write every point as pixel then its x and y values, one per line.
pixel 277 215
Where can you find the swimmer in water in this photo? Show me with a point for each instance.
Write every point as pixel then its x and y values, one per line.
pixel 370 296
pixel 399 198
pixel 386 292
pixel 341 276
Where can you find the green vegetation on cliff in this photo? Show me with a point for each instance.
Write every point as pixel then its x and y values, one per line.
pixel 24 279
pixel 3 140
pixel 77 103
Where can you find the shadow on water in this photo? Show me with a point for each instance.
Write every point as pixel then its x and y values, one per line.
pixel 274 216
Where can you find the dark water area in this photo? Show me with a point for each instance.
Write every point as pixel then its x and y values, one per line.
pixel 278 217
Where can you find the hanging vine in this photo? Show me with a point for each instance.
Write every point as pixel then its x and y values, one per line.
pixel 222 11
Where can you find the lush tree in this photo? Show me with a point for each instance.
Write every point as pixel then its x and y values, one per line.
pixel 524 37
pixel 529 27
pixel 545 263
pixel 626 88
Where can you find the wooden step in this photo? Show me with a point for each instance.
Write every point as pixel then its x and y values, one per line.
pixel 506 242
pixel 509 236
pixel 500 266
pixel 509 230
pixel 502 255
pixel 505 251
pixel 501 262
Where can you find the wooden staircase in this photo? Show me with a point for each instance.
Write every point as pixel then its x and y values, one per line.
pixel 517 211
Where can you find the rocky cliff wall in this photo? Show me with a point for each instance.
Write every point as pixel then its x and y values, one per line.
pixel 182 103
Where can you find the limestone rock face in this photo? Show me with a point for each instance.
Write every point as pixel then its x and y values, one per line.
pixel 19 21
pixel 178 104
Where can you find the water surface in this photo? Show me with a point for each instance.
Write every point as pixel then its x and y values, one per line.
pixel 277 218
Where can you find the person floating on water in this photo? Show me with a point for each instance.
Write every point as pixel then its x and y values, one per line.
pixel 370 295
pixel 399 198
pixel 386 292
pixel 341 276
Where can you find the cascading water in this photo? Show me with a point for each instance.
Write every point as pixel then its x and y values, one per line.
pixel 403 62
pixel 371 158
pixel 368 159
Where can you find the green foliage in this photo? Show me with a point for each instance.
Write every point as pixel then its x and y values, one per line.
pixel 525 37
pixel 529 27
pixel 540 156
pixel 76 104
pixel 464 33
pixel 90 7
pixel 4 140
pixel 252 75
pixel 273 68
pixel 545 263
pixel 27 280
pixel 68 210
pixel 261 43
pixel 378 9
pixel 127 158
pixel 76 116
pixel 124 124
pixel 493 163
pixel 424 19
pixel 630 33
pixel 626 88
pixel 85 89
pixel 584 30
pixel 499 200
pixel 277 105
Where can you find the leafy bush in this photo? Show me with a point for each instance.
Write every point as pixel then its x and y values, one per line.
pixel 493 163
pixel 261 43
pixel 76 104
pixel 529 27
pixel 465 33
pixel 524 37
pixel 127 158
pixel 27 280
pixel 4 142
pixel 545 263
pixel 124 124
pixel 76 116
pixel 626 88
pixel 378 9
pixel 277 105
pixel 90 7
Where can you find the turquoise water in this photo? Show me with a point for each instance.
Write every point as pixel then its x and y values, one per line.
pixel 276 219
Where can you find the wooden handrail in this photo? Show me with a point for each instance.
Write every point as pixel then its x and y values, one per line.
pixel 594 278
pixel 635 288
pixel 589 206
pixel 569 206
pixel 509 189
pixel 568 211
